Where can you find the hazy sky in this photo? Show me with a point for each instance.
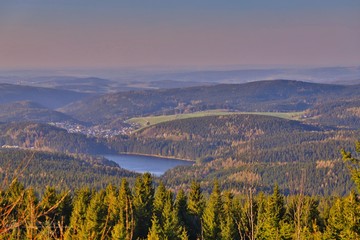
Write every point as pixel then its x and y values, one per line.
pixel 123 33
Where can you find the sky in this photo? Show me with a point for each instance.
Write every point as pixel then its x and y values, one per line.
pixel 188 33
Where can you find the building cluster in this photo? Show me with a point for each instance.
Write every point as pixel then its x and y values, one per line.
pixel 94 131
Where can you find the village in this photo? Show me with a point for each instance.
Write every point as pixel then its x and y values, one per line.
pixel 95 131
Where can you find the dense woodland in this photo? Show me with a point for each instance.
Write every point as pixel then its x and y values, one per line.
pixel 47 137
pixel 37 169
pixel 23 111
pixel 343 113
pixel 146 212
pixel 241 150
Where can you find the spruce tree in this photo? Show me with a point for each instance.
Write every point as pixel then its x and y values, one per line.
pixel 48 201
pixel 160 198
pixel 111 202
pixel 124 228
pixel 353 163
pixel 228 226
pixel 335 222
pixel 196 206
pixel 76 229
pixel 171 228
pixel 155 232
pixel 270 227
pixel 213 214
pixel 181 208
pixel 143 205
pixel 96 217
pixel 184 234
pixel 351 213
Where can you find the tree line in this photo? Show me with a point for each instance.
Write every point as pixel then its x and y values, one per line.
pixel 148 212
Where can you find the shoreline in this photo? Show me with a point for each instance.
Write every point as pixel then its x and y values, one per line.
pixel 153 155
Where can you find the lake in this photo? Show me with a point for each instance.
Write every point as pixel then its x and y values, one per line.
pixel 141 164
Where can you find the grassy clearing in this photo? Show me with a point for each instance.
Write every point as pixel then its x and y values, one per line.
pixel 152 120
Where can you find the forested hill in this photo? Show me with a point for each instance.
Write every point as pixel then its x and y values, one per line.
pixel 228 127
pixel 23 111
pixel 242 150
pixel 38 169
pixel 342 113
pixel 197 138
pixel 276 95
pixel 48 97
pixel 47 137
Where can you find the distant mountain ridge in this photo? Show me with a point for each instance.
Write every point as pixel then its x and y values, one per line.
pixel 27 111
pixel 77 84
pixel 275 95
pixel 47 97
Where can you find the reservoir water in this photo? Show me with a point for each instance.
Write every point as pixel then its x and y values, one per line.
pixel 141 164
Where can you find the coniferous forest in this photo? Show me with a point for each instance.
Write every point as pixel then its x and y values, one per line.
pixel 146 211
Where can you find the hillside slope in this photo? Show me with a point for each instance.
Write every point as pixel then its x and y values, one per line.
pixel 342 113
pixel 38 169
pixel 277 95
pixel 242 150
pixel 46 137
pixel 47 97
pixel 27 111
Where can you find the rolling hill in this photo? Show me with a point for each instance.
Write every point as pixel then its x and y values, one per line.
pixel 45 137
pixel 26 111
pixel 47 97
pixel 263 96
pixel 215 136
pixel 341 113
pixel 62 171
pixel 77 84
pixel 242 149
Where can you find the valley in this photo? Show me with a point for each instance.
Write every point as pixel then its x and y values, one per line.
pixel 180 120
pixel 270 130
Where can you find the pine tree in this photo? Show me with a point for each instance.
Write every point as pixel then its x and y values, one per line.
pixel 111 202
pixel 213 214
pixel 143 205
pixel 76 229
pixel 240 218
pixel 303 215
pixel 64 208
pixel 353 164
pixel 270 227
pixel 55 211
pixel 171 228
pixel 12 208
pixel 351 213
pixel 124 228
pixel 196 200
pixel 161 195
pixel 155 232
pixel 182 208
pixel 49 200
pixel 196 206
pixel 335 222
pixel 96 217
pixel 228 229
pixel 184 235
